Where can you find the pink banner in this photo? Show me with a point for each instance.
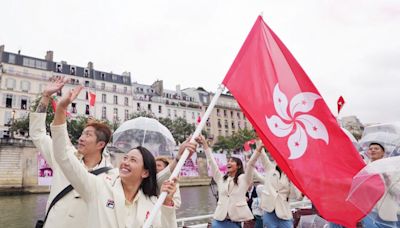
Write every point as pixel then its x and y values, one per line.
pixel 221 162
pixel 190 168
pixel 45 173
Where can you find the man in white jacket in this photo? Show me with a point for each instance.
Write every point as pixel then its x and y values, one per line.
pixel 71 210
pixel 123 200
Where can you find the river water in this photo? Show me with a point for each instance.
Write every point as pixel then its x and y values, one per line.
pixel 22 211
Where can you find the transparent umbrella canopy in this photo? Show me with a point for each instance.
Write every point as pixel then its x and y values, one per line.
pixel 146 132
pixel 387 210
pixel 387 134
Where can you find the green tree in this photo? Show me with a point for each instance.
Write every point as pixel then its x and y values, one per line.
pixel 234 142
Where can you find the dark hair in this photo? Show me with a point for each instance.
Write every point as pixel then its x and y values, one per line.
pixel 149 184
pixel 378 144
pixel 102 131
pixel 238 172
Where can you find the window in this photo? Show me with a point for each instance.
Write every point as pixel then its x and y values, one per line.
pixel 86 83
pixel 10 83
pixel 23 103
pixel 231 114
pixel 238 115
pixel 149 107
pixel 103 76
pixel 114 88
pixel 58 68
pixel 87 110
pixel 219 123
pixel 104 113
pixel 126 114
pixel 9 101
pixel 169 112
pixel 219 132
pixel 115 114
pixel 175 114
pixel 159 109
pixel 104 98
pixel 72 70
pixel 226 133
pixel 28 62
pixel 115 99
pixel 103 86
pixel 218 114
pixel 138 106
pixel 73 105
pixel 225 113
pixel 226 123
pixel 11 59
pixel 41 64
pixel 126 101
pixel 114 77
pixel 86 73
pixel 87 95
pixel 233 125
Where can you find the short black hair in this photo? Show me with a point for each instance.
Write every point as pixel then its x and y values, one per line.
pixel 378 144
pixel 149 184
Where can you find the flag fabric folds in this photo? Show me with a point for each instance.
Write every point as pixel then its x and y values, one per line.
pixel 296 126
pixel 340 104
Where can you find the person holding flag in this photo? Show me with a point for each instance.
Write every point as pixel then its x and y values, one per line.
pixel 232 208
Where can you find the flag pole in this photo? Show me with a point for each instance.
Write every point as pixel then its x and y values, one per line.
pixel 184 156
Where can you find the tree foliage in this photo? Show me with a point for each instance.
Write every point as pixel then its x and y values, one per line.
pixel 234 142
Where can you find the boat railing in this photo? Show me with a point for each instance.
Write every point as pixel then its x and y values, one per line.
pixel 183 221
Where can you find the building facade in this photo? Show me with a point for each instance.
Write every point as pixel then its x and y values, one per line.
pixel 23 78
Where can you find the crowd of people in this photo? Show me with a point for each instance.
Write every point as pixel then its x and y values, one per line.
pixel 88 192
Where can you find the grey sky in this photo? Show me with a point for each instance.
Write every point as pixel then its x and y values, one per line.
pixel 347 47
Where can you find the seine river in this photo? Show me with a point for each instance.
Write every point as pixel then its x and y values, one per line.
pixel 22 211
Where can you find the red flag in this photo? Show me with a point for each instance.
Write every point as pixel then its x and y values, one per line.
pixel 296 125
pixel 92 99
pixel 54 103
pixel 246 145
pixel 198 119
pixel 340 104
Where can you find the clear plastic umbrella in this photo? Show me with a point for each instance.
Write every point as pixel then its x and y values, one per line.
pixel 146 132
pixel 388 135
pixel 312 221
pixel 385 174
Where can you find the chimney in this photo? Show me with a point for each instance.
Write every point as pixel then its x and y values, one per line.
pixel 1 52
pixel 178 89
pixel 49 56
pixel 90 65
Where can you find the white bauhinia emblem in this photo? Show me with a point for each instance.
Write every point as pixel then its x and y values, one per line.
pixel 282 125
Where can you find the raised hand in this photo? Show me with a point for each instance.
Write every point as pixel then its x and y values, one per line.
pixel 187 145
pixel 169 186
pixel 202 141
pixel 70 96
pixel 55 85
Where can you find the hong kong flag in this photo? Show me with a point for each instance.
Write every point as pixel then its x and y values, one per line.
pixel 297 127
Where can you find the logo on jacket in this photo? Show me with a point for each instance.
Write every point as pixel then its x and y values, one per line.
pixel 110 204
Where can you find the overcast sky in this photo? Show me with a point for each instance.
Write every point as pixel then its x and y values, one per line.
pixel 347 47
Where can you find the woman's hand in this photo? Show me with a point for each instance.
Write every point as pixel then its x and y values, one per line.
pixel 70 96
pixel 260 145
pixel 191 147
pixel 201 140
pixel 169 186
pixel 55 85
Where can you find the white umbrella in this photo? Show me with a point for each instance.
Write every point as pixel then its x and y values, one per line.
pixel 388 135
pixel 146 132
